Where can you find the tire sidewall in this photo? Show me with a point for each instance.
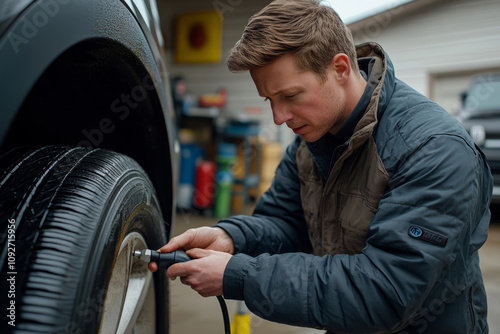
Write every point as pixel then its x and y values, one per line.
pixel 131 207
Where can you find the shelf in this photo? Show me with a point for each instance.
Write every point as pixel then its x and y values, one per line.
pixel 203 112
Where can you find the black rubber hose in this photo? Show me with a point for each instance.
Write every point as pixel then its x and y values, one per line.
pixel 165 260
pixel 225 315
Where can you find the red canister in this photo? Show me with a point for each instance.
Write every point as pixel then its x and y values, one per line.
pixel 204 186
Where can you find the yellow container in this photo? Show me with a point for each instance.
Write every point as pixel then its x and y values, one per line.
pixel 271 157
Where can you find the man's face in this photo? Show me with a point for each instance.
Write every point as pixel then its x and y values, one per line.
pixel 309 106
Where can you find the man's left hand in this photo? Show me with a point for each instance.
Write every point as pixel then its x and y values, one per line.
pixel 204 273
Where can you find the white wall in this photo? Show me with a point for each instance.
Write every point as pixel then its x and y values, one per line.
pixel 208 78
pixel 450 38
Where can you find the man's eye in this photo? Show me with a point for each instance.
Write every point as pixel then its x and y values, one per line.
pixel 291 96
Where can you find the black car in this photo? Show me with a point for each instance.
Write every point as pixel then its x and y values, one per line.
pixel 87 166
pixel 480 115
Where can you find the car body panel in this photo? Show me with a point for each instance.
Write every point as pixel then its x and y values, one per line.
pixel 480 116
pixel 9 10
pixel 33 34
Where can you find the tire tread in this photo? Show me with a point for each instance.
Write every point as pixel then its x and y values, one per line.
pixel 50 185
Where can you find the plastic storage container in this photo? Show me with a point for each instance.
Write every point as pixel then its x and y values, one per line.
pixel 204 187
pixel 190 153
pixel 225 159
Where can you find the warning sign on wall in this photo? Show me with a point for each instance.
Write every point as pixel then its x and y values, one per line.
pixel 198 37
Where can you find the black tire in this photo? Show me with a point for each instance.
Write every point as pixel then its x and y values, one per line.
pixel 72 216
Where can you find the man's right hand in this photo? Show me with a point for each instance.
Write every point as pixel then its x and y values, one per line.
pixel 211 238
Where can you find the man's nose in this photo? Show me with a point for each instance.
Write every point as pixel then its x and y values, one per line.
pixel 281 114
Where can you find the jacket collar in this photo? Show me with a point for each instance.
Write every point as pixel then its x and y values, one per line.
pixel 377 77
pixel 382 72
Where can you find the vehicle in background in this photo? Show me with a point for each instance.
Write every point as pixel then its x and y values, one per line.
pixel 87 166
pixel 480 115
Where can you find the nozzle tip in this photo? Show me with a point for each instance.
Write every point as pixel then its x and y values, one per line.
pixel 144 255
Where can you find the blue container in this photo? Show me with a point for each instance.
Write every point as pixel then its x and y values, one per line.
pixel 190 153
pixel 227 150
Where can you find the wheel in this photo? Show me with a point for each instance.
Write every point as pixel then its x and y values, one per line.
pixel 70 219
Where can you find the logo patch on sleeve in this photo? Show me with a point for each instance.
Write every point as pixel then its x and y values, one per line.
pixel 427 235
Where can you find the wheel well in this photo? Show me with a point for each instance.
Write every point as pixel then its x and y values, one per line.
pixel 98 93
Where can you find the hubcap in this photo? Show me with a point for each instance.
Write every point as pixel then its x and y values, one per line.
pixel 129 306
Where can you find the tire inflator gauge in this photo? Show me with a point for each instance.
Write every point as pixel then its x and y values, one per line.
pixel 165 260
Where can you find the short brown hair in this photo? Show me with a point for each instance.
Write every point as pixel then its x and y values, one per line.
pixel 312 32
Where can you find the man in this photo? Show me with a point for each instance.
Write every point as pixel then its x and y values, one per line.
pixel 378 208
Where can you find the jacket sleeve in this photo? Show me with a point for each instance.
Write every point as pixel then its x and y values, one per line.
pixel 382 288
pixel 277 224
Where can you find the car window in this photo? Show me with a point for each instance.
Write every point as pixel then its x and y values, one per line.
pixel 484 95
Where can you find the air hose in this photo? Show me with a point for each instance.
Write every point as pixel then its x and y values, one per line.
pixel 165 260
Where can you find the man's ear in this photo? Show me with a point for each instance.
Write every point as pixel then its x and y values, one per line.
pixel 341 67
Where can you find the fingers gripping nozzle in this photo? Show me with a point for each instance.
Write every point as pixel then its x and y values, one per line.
pixel 164 260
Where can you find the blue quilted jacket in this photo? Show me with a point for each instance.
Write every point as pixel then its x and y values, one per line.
pixel 417 267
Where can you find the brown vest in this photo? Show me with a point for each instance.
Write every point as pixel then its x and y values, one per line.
pixel 338 213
